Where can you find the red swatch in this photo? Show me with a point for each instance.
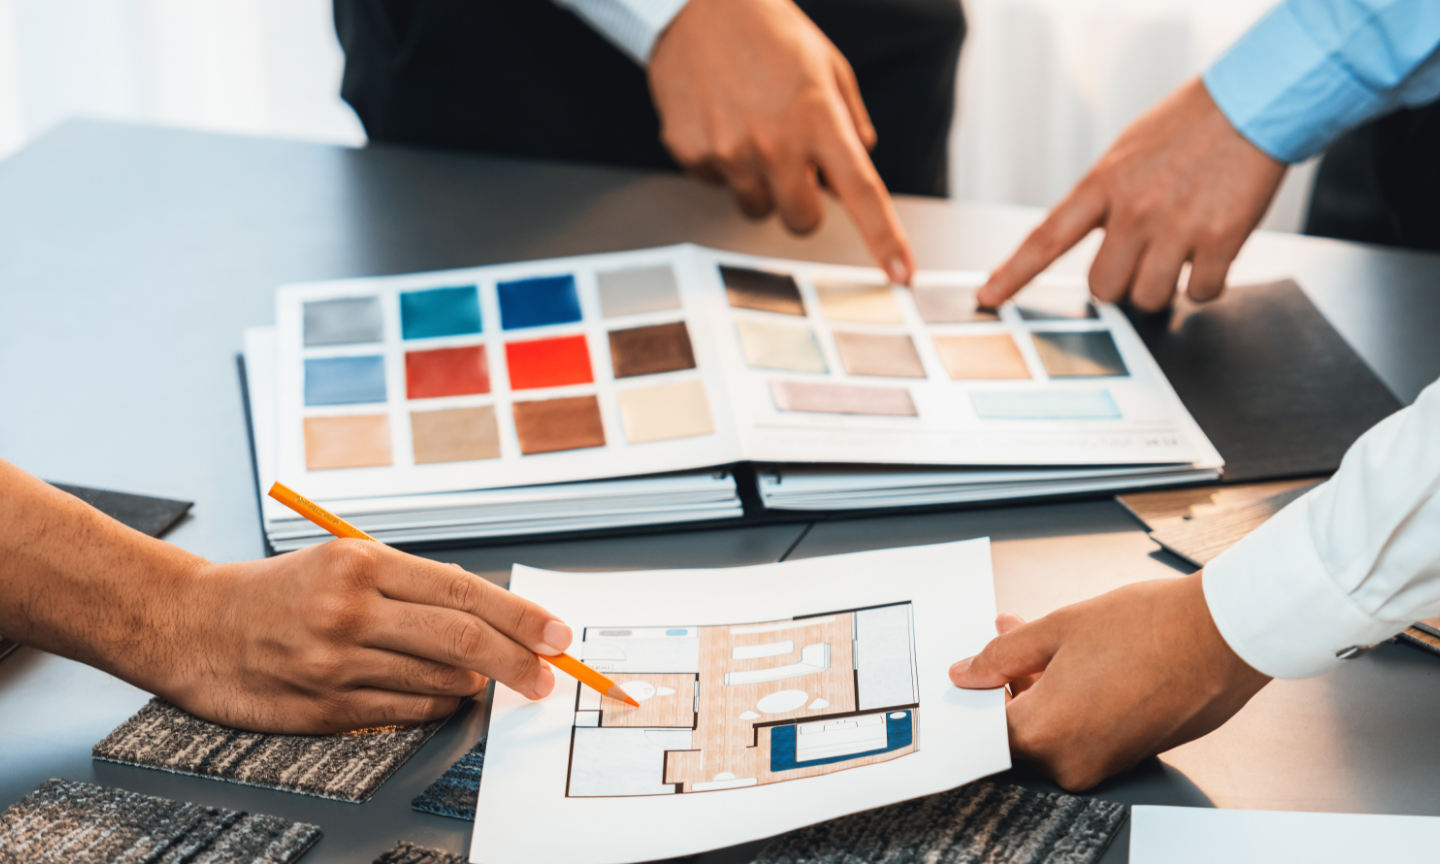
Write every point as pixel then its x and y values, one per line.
pixel 548 362
pixel 446 372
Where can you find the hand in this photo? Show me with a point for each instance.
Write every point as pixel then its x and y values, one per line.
pixel 1102 684
pixel 351 634
pixel 751 94
pixel 1180 184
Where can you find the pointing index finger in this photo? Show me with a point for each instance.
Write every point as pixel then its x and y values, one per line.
pixel 849 171
pixel 1080 212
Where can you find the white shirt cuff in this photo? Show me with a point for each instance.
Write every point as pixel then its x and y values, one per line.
pixel 1278 607
pixel 630 25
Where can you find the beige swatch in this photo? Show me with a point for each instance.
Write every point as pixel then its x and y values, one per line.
pixel 971 358
pixel 347 442
pixel 668 411
pixel 455 435
pixel 950 305
pixel 851 301
pixel 818 398
pixel 780 346
pixel 873 354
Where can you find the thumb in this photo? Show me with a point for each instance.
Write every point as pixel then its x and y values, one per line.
pixel 1024 650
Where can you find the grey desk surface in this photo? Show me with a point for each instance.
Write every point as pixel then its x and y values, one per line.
pixel 131 258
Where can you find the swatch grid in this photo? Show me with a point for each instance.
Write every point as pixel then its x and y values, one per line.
pixel 850 347
pixel 505 369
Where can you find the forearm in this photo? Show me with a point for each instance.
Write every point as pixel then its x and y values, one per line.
pixel 79 584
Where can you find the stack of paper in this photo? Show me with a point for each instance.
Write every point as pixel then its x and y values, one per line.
pixel 607 390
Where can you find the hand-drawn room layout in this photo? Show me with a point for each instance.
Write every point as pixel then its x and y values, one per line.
pixel 731 706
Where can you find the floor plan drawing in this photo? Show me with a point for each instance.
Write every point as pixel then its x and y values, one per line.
pixel 738 705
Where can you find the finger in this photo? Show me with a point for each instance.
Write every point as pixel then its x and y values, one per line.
pixel 797 194
pixel 1207 274
pixel 456 638
pixel 1157 276
pixel 850 173
pixel 417 580
pixel 1004 624
pixel 1115 265
pixel 1082 211
pixel 707 173
pixel 748 186
pixel 1025 650
pixel 404 673
pixel 850 92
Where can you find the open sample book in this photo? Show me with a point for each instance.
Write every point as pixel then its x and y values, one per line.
pixel 609 390
pixel 771 697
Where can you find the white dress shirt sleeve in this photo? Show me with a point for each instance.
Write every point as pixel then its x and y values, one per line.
pixel 1352 563
pixel 631 25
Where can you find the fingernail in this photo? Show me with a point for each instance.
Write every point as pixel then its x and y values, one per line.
pixel 555 633
pixel 544 682
pixel 961 667
pixel 899 273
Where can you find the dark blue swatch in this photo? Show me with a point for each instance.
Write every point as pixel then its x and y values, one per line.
pixel 455 792
pixel 537 302
pixel 439 312
pixel 900 731
pixel 344 380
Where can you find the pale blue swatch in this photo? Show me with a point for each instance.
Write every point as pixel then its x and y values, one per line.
pixel 344 380
pixel 1045 405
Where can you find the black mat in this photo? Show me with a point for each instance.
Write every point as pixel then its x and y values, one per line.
pixel 455 792
pixel 409 853
pixel 982 822
pixel 348 767
pixel 1276 389
pixel 64 821
pixel 153 516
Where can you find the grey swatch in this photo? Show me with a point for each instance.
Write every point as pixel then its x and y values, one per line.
pixel 642 289
pixel 408 853
pixel 981 822
pixel 347 767
pixel 347 321
pixel 81 822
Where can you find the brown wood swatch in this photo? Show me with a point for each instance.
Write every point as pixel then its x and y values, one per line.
pixel 651 350
pixel 548 425
pixel 757 289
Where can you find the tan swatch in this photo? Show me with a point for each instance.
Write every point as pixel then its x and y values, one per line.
pixel 851 301
pixel 818 398
pixel 1089 354
pixel 455 435
pixel 950 305
pixel 973 358
pixel 758 289
pixel 548 425
pixel 347 442
pixel 651 350
pixel 664 412
pixel 885 356
pixel 780 346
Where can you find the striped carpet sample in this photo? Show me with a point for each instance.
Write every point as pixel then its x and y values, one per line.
pixel 409 853
pixel 981 822
pixel 455 792
pixel 64 821
pixel 347 767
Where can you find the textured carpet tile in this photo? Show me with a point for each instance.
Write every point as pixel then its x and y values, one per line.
pixel 87 824
pixel 455 792
pixel 982 822
pixel 409 853
pixel 347 767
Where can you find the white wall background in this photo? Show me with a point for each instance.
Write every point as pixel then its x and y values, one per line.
pixel 1045 84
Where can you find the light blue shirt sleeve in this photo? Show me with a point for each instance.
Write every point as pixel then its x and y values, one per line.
pixel 1312 69
pixel 633 26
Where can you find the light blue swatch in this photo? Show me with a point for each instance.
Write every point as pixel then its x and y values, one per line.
pixel 1045 405
pixel 344 380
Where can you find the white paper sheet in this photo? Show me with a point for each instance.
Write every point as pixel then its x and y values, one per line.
pixel 961 734
pixel 1197 835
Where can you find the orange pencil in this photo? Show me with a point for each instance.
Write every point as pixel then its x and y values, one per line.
pixel 340 528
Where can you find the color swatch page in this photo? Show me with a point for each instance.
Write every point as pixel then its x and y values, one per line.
pixel 511 375
pixel 829 364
